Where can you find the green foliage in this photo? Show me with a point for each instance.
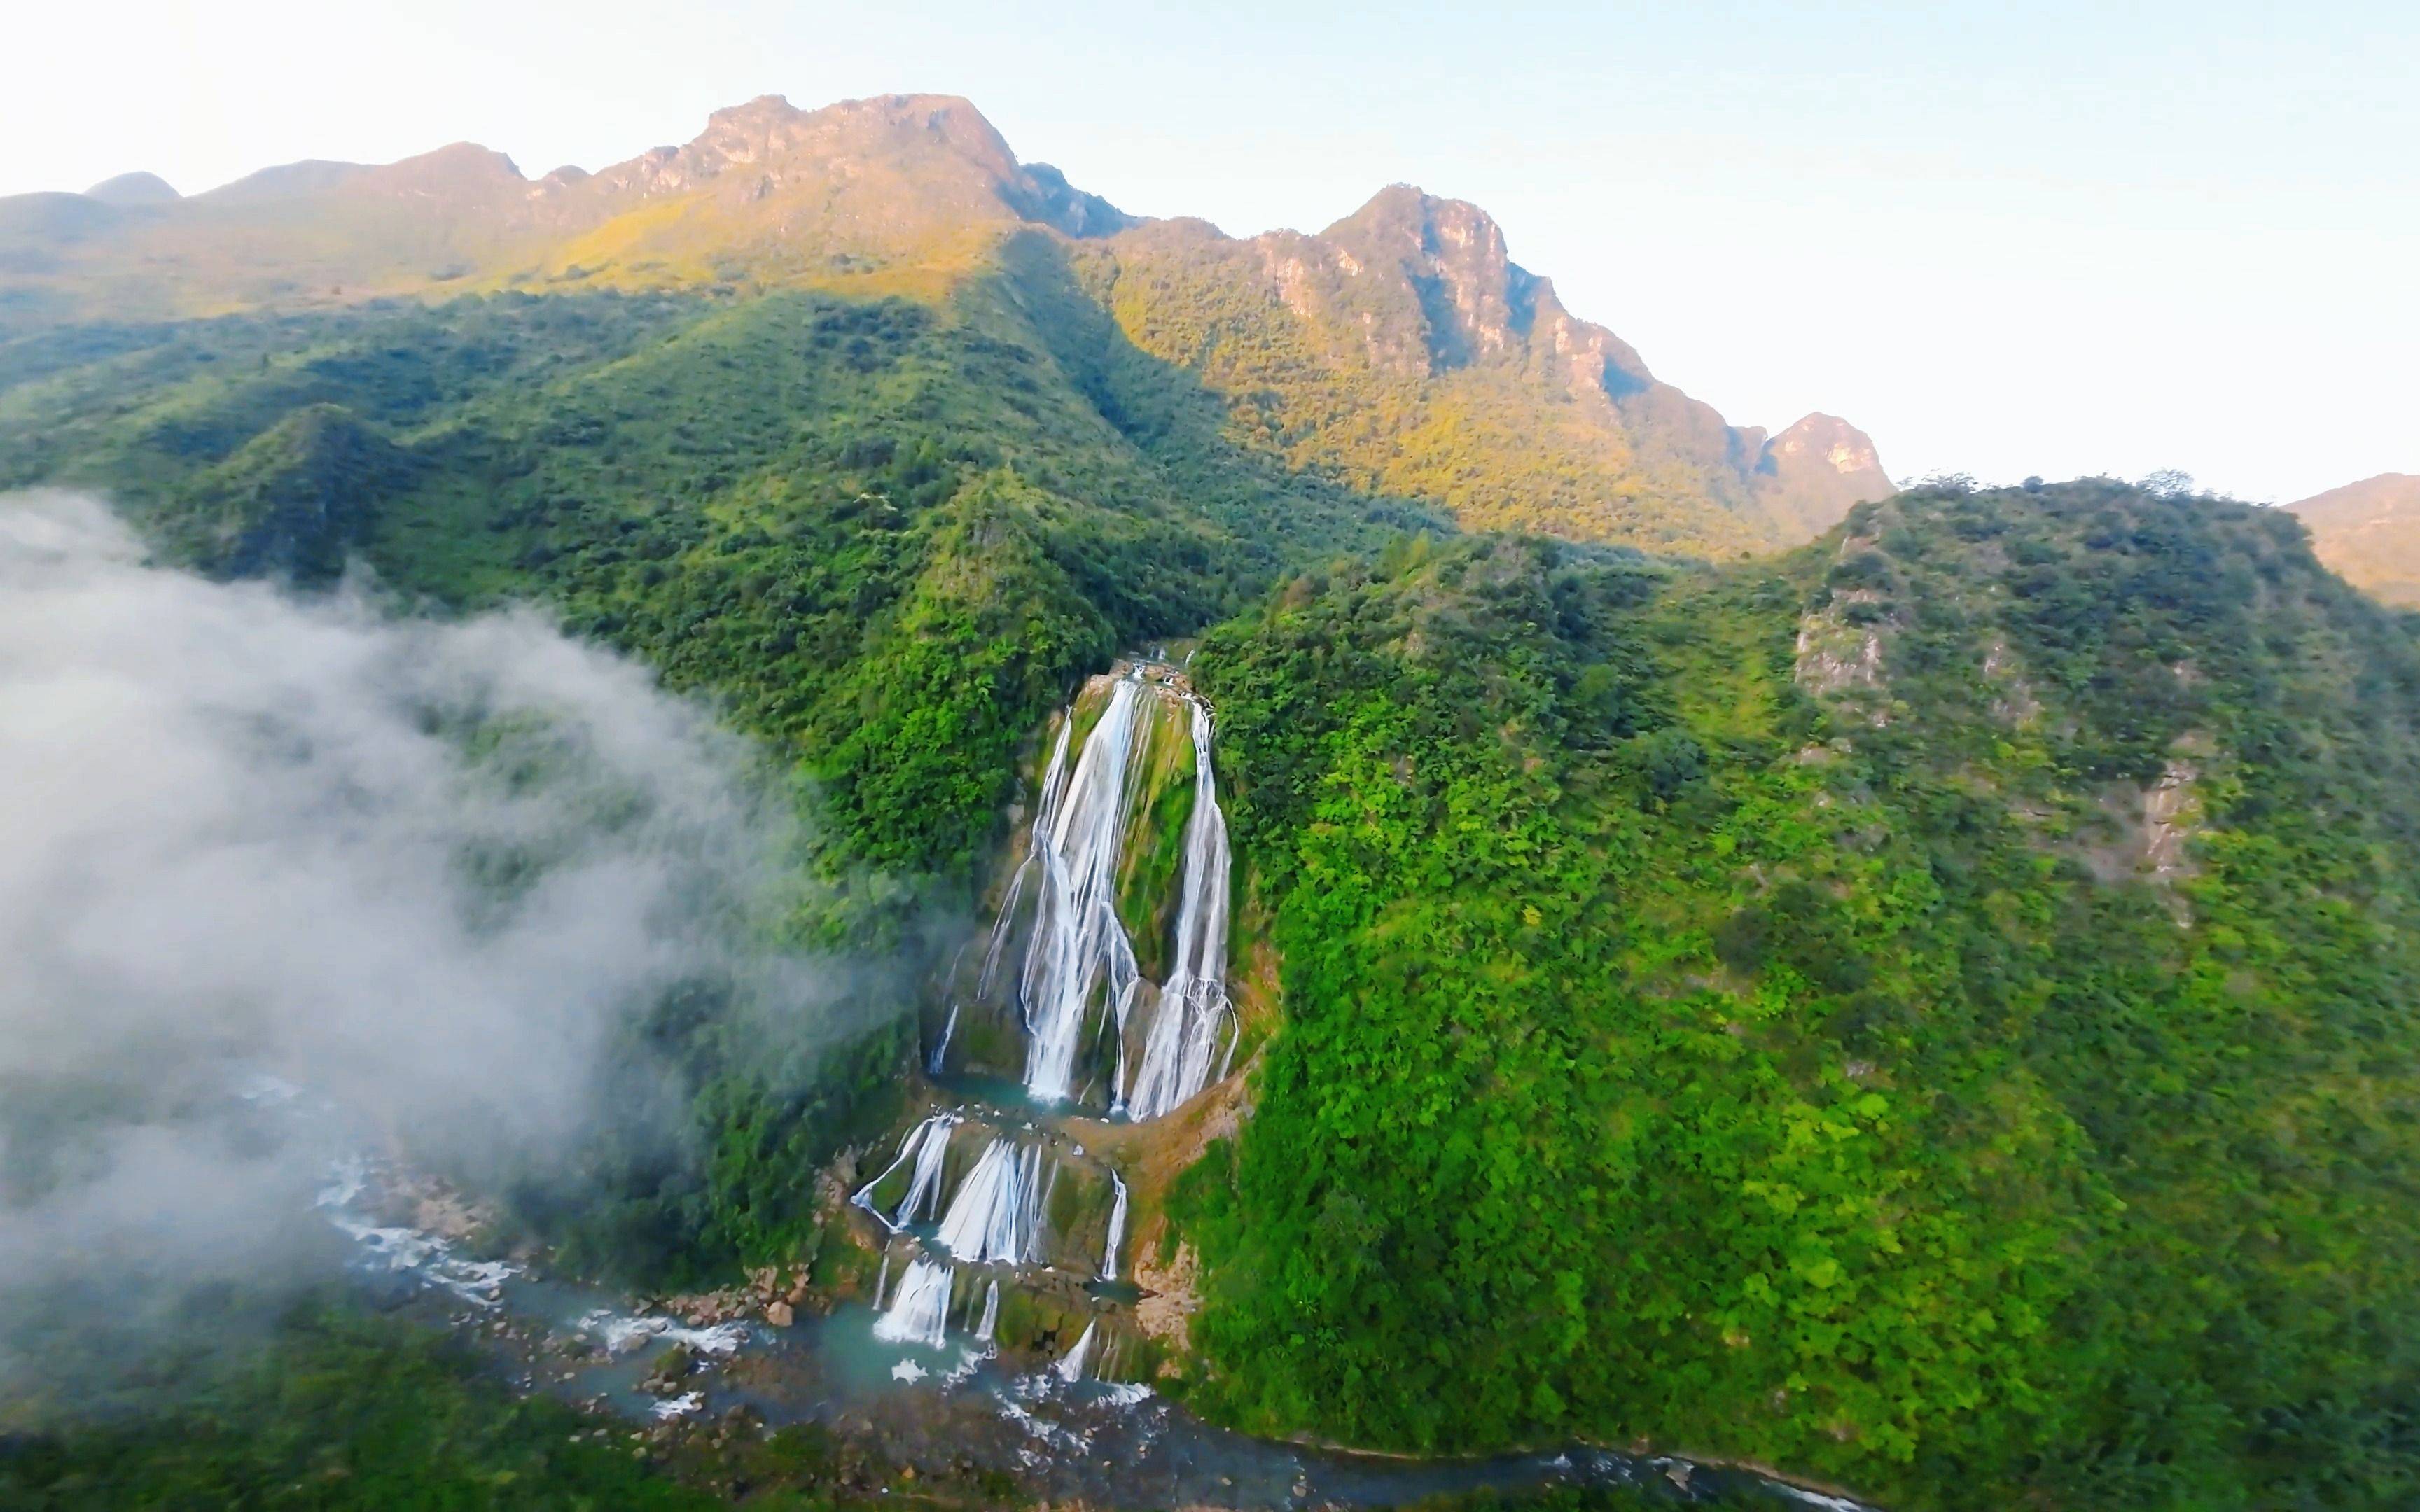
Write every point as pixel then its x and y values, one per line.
pixel 1927 1011
pixel 884 537
pixel 887 537
pixel 340 1411
pixel 1325 356
pixel 1830 1080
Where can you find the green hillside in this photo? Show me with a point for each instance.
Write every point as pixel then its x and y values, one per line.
pixel 1930 1010
pixel 1926 1010
pixel 2370 532
pixel 886 536
pixel 1401 351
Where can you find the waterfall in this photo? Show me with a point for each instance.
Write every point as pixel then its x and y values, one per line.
pixel 990 1313
pixel 1193 1008
pixel 1071 1368
pixel 1061 954
pixel 929 1143
pixel 1078 961
pixel 1077 938
pixel 1045 823
pixel 920 1314
pixel 997 1214
pixel 941 1047
pixel 1117 1229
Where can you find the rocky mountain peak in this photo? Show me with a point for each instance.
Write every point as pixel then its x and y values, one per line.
pixel 916 152
pixel 1476 303
pixel 1822 440
pixel 1481 307
pixel 1814 471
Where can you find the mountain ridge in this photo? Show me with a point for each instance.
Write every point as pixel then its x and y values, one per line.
pixel 1927 1009
pixel 1430 364
pixel 2368 532
pixel 1514 412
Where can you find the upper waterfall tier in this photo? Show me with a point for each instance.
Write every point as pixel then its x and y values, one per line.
pixel 1124 879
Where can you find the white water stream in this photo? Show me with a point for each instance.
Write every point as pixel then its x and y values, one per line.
pixel 920 1313
pixel 929 1143
pixel 1079 962
pixel 1079 943
pixel 1193 1010
pixel 1060 946
pixel 996 1215
pixel 1117 1229
pixel 1071 1368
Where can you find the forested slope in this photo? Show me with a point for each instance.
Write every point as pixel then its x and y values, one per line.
pixel 766 498
pixel 1400 351
pixel 1931 1011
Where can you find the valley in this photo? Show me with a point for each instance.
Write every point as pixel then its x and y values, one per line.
pixel 1361 901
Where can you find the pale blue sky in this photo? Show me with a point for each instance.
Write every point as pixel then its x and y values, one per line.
pixel 2052 238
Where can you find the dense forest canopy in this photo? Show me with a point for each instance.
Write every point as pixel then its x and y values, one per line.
pixel 1931 1008
pixel 1928 1009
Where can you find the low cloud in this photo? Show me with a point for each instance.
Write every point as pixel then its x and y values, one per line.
pixel 424 870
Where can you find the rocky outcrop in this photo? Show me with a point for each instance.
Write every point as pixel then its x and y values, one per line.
pixel 1809 477
pixel 1403 346
pixel 1170 1295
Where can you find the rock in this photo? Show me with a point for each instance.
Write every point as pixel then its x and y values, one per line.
pixel 780 1315
pixel 665 1379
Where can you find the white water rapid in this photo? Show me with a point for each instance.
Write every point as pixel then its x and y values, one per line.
pixel 920 1313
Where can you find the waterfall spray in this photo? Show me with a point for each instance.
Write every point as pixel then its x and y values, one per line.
pixel 1071 1367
